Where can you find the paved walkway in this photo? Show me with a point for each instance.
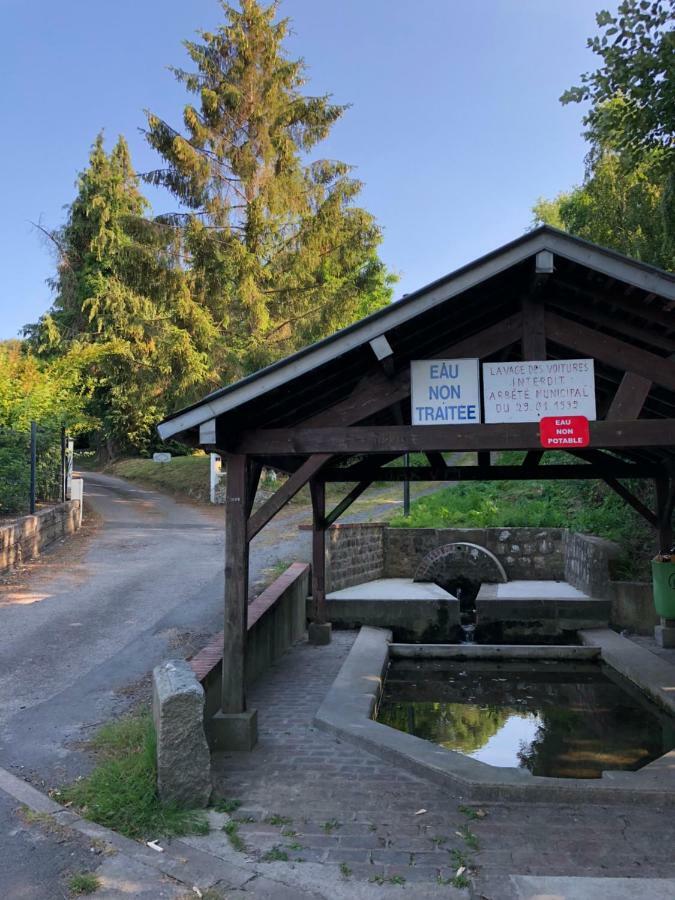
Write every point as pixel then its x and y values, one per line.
pixel 306 794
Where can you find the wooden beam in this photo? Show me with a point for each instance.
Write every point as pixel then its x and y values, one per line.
pixel 252 481
pixel 534 328
pixel 286 492
pixel 233 698
pixel 318 491
pixel 597 316
pixel 412 438
pixel 378 391
pixel 483 458
pixel 491 473
pixel 346 502
pixel 532 459
pixel 610 350
pixel 665 498
pixel 631 500
pixel 629 398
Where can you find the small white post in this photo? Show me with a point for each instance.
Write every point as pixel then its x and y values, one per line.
pixel 216 472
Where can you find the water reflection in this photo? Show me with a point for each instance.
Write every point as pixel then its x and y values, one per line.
pixel 558 719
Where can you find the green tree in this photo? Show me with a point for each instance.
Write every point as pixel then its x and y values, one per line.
pixel 621 205
pixel 632 93
pixel 123 312
pixel 279 254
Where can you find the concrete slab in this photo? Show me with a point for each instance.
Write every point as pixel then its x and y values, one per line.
pixel 392 589
pixel 531 590
pixel 415 611
pixel 539 887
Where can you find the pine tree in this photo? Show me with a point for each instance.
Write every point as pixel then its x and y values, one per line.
pixel 123 313
pixel 279 254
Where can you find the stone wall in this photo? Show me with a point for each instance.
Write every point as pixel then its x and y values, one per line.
pixel 587 562
pixel 28 536
pixel 276 619
pixel 354 553
pixel 525 553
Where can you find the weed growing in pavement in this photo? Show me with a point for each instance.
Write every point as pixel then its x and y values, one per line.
pixel 469 838
pixel 472 813
pixel 231 829
pixel 390 879
pixel 121 791
pixel 345 871
pixel 330 826
pixel 276 819
pixel 458 858
pixel 226 806
pixel 83 883
pixel 276 854
pixel 288 832
pixel 439 840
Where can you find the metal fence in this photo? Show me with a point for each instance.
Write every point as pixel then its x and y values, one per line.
pixel 35 464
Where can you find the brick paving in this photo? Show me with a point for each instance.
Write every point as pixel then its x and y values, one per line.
pixel 321 800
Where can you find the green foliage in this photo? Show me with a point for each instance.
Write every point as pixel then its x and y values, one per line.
pixel 627 201
pixel 231 829
pixel 121 793
pixel 589 507
pixel 226 806
pixel 123 313
pixel 632 93
pixel 184 476
pixel 621 205
pixel 279 254
pixel 276 854
pixel 83 883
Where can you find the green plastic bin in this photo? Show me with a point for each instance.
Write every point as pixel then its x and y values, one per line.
pixel 663 579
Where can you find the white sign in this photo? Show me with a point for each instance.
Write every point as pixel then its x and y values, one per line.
pixel 445 391
pixel 161 457
pixel 527 391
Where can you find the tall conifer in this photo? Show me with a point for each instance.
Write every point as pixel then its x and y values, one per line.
pixel 279 254
pixel 123 311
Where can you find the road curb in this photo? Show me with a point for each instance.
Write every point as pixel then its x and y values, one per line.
pixel 185 865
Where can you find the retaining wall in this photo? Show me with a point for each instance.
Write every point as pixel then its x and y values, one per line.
pixel 354 553
pixel 525 553
pixel 276 619
pixel 28 536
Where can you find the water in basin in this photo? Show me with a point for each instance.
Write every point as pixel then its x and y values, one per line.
pixel 561 719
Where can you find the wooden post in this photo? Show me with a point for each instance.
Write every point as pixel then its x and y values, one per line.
pixel 236 586
pixel 319 629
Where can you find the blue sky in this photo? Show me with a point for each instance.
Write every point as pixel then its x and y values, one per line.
pixel 455 126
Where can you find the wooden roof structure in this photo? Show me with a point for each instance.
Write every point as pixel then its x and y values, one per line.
pixel 340 409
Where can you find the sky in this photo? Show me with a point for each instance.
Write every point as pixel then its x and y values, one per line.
pixel 454 128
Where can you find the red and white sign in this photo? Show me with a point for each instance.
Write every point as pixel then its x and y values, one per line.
pixel 557 432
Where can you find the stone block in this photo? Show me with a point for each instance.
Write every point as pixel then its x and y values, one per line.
pixel 319 633
pixel 234 731
pixel 183 758
pixel 664 636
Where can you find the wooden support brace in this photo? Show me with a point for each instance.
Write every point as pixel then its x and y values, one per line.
pixel 346 502
pixel 286 492
pixel 631 500
pixel 630 397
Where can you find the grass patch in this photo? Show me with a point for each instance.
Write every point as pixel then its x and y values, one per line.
pixel 83 883
pixel 345 871
pixel 231 829
pixel 276 854
pixel 276 819
pixel 184 476
pixel 330 826
pixel 226 806
pixel 121 792
pixel 468 837
pixel 589 507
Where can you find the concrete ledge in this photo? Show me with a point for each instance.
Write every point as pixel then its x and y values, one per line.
pixel 349 705
pixel 491 651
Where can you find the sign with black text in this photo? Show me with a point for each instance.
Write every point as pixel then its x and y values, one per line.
pixel 445 392
pixel 528 391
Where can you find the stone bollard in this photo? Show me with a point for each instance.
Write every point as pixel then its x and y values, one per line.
pixel 183 758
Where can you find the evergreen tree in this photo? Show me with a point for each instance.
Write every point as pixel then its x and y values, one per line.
pixel 123 314
pixel 279 254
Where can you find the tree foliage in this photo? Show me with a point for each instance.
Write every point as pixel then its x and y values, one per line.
pixel 123 315
pixel 279 254
pixel 627 200
pixel 620 205
pixel 632 94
